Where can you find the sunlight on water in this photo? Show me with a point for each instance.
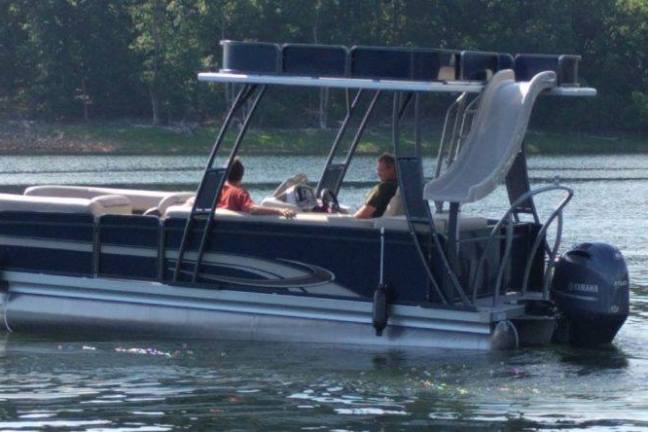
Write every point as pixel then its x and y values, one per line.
pixel 279 386
pixel 67 384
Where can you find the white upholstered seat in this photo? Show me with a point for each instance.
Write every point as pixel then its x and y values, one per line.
pixel 141 200
pixel 97 206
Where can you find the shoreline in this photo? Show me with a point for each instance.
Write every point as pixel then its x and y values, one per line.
pixel 126 138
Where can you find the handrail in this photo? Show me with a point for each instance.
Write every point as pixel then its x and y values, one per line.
pixel 551 252
pixel 557 212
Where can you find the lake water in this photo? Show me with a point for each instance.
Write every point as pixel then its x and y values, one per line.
pixel 67 383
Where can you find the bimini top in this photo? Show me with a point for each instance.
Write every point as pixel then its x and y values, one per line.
pixel 401 69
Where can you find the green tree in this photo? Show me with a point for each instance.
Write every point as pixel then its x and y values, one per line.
pixel 14 65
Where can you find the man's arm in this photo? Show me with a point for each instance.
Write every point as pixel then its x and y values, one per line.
pixel 365 212
pixel 248 206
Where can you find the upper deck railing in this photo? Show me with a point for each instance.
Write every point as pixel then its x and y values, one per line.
pixel 381 68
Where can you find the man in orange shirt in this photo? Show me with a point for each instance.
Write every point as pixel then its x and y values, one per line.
pixel 234 197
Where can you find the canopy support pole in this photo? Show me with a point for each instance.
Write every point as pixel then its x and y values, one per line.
pixel 334 173
pixel 213 179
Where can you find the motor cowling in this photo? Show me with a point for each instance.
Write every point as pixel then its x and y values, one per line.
pixel 591 288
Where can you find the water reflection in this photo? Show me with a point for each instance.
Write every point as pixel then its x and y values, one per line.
pixel 100 385
pixel 599 360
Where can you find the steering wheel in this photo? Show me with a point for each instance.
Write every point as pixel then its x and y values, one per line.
pixel 329 201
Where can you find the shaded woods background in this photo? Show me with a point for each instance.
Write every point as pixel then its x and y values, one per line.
pixel 116 59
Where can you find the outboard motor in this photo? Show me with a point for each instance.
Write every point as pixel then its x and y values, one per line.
pixel 591 288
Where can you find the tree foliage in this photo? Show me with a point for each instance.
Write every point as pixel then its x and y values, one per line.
pixel 76 59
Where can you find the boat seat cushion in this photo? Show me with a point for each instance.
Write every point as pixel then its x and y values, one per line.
pixel 395 205
pixel 141 200
pixel 183 211
pixel 399 223
pixel 342 220
pixel 276 203
pixel 394 219
pixel 110 204
pixel 97 206
pixel 175 199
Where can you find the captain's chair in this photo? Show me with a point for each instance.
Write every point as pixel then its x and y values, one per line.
pixel 395 205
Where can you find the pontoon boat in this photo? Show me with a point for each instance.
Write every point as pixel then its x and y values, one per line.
pixel 425 274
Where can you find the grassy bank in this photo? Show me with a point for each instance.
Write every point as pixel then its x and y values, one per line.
pixel 20 137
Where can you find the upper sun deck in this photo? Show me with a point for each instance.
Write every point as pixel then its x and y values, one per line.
pixel 379 68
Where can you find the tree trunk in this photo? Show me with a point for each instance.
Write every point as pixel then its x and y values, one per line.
pixel 324 91
pixel 86 100
pixel 155 80
pixel 155 106
pixel 323 108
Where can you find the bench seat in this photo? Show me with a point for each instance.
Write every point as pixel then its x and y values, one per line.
pixel 394 223
pixel 182 211
pixel 97 206
pixel 141 200
pixel 399 223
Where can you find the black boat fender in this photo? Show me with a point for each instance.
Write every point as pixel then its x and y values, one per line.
pixel 4 300
pixel 380 309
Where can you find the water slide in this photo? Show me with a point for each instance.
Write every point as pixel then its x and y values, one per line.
pixel 493 141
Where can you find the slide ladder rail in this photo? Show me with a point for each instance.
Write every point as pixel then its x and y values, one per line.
pixel 463 126
pixel 456 126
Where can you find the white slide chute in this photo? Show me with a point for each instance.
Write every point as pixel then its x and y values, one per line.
pixel 493 141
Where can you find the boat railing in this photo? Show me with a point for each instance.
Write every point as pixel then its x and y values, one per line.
pixel 556 215
pixel 507 222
